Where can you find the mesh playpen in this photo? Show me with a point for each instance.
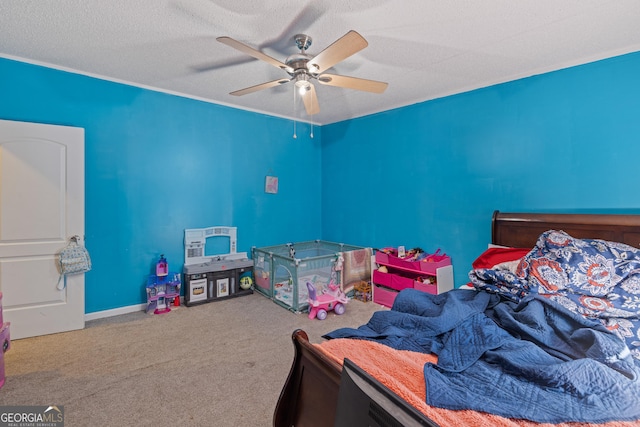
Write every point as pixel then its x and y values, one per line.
pixel 282 271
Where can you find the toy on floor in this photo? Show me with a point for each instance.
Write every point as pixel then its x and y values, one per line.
pixel 362 291
pixel 333 299
pixel 162 291
pixel 246 281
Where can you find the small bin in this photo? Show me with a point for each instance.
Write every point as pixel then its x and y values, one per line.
pixel 430 288
pixel 392 281
pixel 428 267
pixel 383 295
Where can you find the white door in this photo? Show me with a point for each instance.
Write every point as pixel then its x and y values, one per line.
pixel 41 207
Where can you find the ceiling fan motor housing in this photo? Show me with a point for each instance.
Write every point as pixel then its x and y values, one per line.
pixel 298 63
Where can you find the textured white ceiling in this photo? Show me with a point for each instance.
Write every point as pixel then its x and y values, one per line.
pixel 424 49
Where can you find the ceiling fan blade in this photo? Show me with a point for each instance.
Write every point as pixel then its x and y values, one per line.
pixel 353 83
pixel 310 100
pixel 261 86
pixel 341 49
pixel 253 52
pixel 215 65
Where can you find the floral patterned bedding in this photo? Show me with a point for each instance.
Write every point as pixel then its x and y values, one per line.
pixel 595 278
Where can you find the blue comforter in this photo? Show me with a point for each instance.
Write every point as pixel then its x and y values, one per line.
pixel 531 359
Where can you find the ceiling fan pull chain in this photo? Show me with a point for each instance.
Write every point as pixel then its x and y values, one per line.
pixel 294 115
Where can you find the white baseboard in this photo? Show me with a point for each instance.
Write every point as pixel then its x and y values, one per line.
pixel 118 311
pixel 114 312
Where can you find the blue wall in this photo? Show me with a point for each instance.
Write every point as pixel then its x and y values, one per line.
pixel 156 164
pixel 427 175
pixel 431 174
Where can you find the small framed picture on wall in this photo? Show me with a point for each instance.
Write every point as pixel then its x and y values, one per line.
pixel 271 185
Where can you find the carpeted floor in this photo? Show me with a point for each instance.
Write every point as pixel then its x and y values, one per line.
pixel 218 364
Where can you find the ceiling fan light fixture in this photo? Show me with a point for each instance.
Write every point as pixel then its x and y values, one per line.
pixel 304 88
pixel 302 83
pixel 301 80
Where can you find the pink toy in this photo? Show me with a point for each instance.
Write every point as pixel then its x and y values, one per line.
pixel 333 299
pixel 162 267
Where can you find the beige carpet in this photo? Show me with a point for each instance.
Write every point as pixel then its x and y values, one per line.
pixel 217 364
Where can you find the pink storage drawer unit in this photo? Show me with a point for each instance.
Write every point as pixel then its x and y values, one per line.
pixel 432 274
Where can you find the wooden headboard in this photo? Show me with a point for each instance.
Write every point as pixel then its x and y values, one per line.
pixel 521 230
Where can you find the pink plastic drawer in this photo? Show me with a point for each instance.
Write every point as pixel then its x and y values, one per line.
pixel 429 267
pixel 384 296
pixel 430 288
pixel 392 281
pixel 382 258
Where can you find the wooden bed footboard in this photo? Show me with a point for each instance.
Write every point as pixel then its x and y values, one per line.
pixel 310 394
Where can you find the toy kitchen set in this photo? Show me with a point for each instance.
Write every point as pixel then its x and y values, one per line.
pixel 210 278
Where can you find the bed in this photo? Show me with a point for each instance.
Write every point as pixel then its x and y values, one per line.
pixel 309 396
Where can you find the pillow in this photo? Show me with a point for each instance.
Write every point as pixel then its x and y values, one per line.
pixel 494 256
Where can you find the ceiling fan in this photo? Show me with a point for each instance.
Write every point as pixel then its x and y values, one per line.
pixel 304 68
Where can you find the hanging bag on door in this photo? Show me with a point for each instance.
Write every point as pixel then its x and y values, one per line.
pixel 73 259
